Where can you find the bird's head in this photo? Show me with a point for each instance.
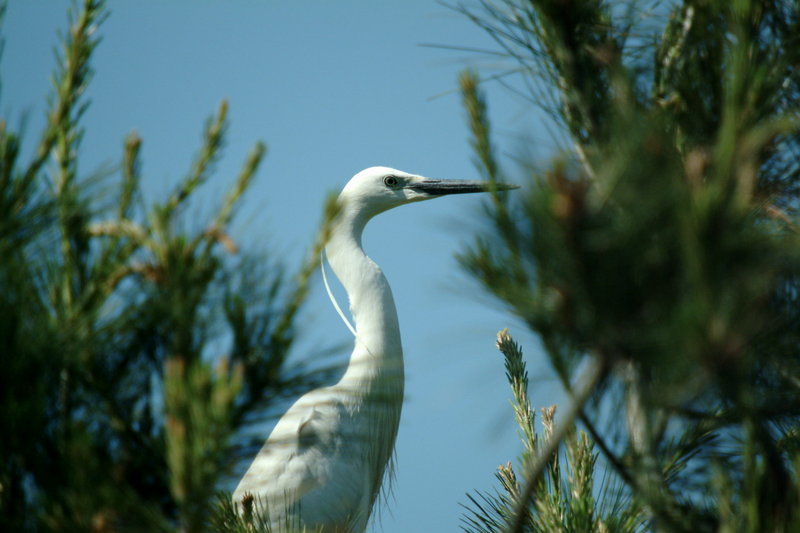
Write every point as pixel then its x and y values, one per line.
pixel 377 189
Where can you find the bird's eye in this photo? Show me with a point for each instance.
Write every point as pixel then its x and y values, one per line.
pixel 390 181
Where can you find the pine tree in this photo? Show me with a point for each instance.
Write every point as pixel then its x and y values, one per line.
pixel 657 259
pixel 117 411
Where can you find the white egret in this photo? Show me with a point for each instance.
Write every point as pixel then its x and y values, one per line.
pixel 323 465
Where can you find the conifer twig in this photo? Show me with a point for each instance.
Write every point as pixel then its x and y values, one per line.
pixel 587 382
pixel 518 379
pixel 302 285
pixel 70 81
pixel 475 104
pixel 213 139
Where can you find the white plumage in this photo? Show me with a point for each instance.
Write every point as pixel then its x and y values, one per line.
pixel 323 465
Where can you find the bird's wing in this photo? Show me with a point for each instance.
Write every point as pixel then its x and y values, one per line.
pixel 297 456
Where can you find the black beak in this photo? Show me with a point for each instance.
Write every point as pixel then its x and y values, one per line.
pixel 442 187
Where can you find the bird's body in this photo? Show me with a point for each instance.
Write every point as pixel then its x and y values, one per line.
pixel 324 463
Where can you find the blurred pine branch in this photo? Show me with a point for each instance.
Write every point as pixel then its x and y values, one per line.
pixel 662 247
pixel 121 406
pixel 562 496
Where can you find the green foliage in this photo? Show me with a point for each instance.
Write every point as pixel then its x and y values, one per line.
pixel 118 405
pixel 564 500
pixel 253 519
pixel 197 407
pixel 663 249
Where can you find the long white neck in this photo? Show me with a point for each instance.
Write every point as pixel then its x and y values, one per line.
pixel 378 352
pixel 374 375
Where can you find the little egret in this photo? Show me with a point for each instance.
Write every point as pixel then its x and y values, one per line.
pixel 323 465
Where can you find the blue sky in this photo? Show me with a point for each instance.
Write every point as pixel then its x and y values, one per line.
pixel 331 87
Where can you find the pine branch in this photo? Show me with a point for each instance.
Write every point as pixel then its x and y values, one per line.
pixel 670 247
pixel 518 379
pixel 213 140
pixel 589 379
pixel 70 84
pixel 114 415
